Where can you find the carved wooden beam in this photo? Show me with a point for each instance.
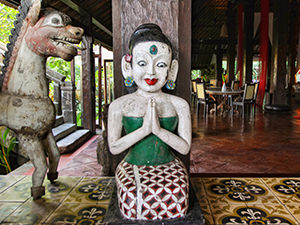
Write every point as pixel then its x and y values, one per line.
pixel 11 3
pixel 80 10
pixel 55 76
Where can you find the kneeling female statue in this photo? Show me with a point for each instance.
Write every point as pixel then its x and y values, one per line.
pixel 151 182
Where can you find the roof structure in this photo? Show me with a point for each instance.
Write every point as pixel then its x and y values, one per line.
pixel 208 23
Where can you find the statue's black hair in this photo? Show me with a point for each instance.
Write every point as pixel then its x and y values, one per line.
pixel 148 32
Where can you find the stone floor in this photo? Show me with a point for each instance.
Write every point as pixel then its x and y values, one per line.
pixel 72 200
pixel 85 200
pixel 265 145
pixel 255 201
pixel 243 172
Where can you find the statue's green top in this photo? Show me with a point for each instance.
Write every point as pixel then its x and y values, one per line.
pixel 150 151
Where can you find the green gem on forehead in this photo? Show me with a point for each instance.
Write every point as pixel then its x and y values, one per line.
pixel 153 49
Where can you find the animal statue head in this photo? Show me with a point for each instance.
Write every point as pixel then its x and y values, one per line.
pixel 52 35
pixel 47 32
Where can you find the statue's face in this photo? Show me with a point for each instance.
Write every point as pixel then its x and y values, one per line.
pixel 150 65
pixel 54 36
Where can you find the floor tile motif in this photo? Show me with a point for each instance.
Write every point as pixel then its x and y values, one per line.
pixel 77 200
pixel 287 189
pixel 62 186
pixel 6 209
pixel 294 209
pixel 201 196
pixel 32 212
pixel 7 181
pixel 256 215
pixel 247 200
pixel 74 213
pixel 19 192
pixel 92 190
pixel 88 201
pixel 237 190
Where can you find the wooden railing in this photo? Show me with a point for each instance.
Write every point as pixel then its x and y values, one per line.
pixel 64 96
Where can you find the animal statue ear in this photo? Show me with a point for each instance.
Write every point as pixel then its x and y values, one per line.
pixel 172 75
pixel 34 12
pixel 126 67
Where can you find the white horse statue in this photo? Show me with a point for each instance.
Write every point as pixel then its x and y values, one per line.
pixel 24 103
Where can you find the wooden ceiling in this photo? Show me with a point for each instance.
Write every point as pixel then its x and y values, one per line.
pixel 208 17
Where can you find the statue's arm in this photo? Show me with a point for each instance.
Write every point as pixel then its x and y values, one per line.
pixel 182 141
pixel 116 142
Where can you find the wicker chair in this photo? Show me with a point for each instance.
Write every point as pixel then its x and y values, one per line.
pixel 203 98
pixel 235 85
pixel 194 90
pixel 248 98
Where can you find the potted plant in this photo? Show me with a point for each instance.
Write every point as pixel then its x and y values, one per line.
pixel 7 144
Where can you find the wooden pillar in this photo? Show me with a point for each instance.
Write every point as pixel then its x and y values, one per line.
pixel 248 39
pixel 298 51
pixel 240 44
pixel 184 51
pixel 100 87
pixel 88 80
pixel 280 41
pixel 293 36
pixel 219 64
pixel 72 94
pixel 231 27
pixel 118 47
pixel 57 98
pixel 264 51
pixel 73 71
pixel 68 106
pixel 105 83
pixel 174 18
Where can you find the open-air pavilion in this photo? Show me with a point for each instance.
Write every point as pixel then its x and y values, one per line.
pixel 237 164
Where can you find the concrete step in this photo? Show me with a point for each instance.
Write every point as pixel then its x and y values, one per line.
pixel 73 141
pixel 59 120
pixel 63 130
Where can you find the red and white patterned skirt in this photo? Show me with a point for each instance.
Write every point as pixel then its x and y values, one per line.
pixel 152 192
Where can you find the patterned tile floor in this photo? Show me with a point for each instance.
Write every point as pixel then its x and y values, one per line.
pixel 254 201
pixel 85 200
pixel 72 200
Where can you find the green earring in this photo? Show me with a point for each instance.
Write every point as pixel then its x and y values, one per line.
pixel 170 85
pixel 128 81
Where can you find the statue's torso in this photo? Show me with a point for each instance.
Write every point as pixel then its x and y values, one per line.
pixel 151 150
pixel 135 105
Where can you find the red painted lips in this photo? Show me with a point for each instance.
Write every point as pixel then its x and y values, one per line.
pixel 151 81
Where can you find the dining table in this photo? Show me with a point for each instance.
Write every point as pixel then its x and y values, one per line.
pixel 224 98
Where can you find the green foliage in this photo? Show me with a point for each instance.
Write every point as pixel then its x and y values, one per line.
pixel 7 144
pixel 61 66
pixel 7 18
pixel 209 72
pixel 78 118
pixel 195 74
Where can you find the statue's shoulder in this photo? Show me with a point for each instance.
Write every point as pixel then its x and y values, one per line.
pixel 118 103
pixel 178 101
